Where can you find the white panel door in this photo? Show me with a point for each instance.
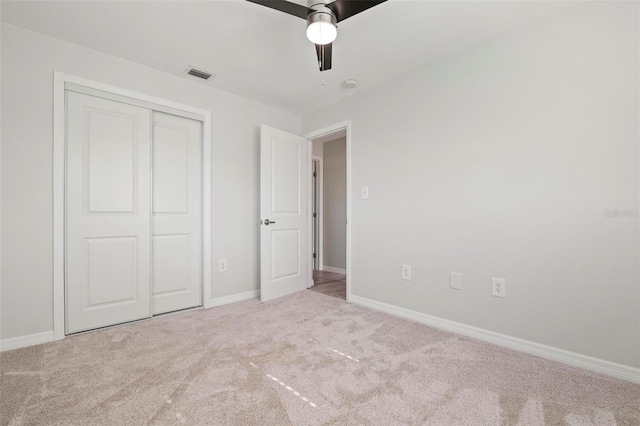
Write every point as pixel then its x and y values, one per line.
pixel 284 194
pixel 177 206
pixel 108 212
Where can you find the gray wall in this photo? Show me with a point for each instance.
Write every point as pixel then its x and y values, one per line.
pixel 28 62
pixel 334 206
pixel 500 161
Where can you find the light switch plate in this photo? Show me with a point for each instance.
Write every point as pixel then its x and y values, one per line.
pixel 455 280
pixel 365 192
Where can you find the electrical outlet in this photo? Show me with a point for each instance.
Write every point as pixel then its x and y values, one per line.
pixel 222 265
pixel 455 280
pixel 499 287
pixel 406 272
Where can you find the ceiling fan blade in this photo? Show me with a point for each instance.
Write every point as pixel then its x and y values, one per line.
pixel 344 9
pixel 291 8
pixel 323 51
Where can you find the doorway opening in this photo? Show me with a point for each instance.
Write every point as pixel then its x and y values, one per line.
pixel 329 213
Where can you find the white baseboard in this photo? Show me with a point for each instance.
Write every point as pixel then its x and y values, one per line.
pixel 48 336
pixel 29 340
pixel 334 270
pixel 239 297
pixel 571 358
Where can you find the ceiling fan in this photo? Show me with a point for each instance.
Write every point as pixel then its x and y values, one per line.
pixel 322 20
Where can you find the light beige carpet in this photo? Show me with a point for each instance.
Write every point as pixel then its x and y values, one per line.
pixel 305 359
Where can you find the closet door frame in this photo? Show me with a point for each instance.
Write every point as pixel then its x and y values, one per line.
pixel 63 82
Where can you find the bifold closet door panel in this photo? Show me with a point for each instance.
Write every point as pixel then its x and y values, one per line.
pixel 177 207
pixel 108 210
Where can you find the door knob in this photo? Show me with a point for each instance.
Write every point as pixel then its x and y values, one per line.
pixel 267 222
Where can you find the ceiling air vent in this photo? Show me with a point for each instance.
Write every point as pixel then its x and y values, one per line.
pixel 198 73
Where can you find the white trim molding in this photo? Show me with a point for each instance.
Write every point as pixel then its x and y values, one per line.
pixel 24 341
pixel 597 365
pixel 239 297
pixel 320 206
pixel 334 270
pixel 60 82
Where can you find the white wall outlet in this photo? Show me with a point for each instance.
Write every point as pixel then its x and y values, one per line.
pixel 365 192
pixel 222 265
pixel 499 287
pixel 406 272
pixel 455 280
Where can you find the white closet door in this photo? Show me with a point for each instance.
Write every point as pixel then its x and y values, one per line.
pixel 177 210
pixel 108 212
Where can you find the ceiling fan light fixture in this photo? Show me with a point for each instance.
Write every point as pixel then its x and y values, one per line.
pixel 321 28
pixel 322 20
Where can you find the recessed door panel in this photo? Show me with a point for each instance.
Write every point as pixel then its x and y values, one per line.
pixel 113 275
pixel 108 210
pixel 170 264
pixel 170 169
pixel 110 157
pixel 285 245
pixel 286 176
pixel 177 207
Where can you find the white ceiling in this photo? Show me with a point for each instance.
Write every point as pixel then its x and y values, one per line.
pixel 263 54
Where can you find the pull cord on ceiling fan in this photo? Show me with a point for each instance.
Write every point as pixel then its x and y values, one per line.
pixel 322 20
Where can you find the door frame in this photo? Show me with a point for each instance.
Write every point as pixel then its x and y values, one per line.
pixel 320 206
pixel 60 80
pixel 334 128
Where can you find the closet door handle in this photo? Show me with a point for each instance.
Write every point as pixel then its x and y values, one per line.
pixel 267 222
